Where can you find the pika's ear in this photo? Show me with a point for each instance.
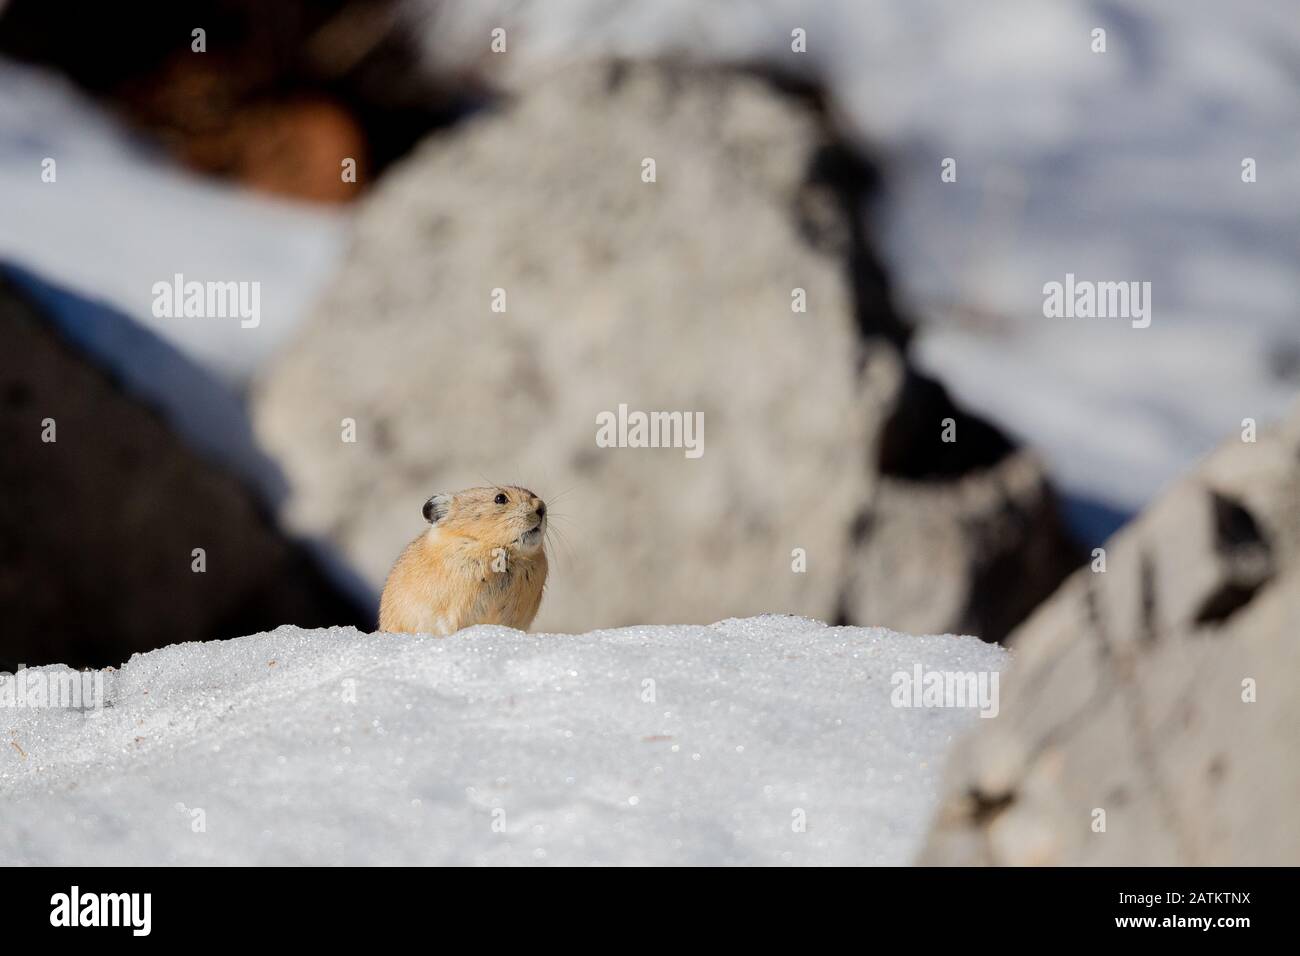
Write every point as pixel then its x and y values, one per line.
pixel 435 509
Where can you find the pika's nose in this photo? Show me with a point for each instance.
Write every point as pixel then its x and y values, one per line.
pixel 541 508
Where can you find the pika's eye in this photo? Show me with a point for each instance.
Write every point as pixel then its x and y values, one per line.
pixel 501 499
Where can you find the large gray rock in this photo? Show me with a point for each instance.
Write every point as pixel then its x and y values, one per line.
pixel 1130 691
pixel 667 295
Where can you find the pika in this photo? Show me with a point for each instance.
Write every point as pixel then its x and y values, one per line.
pixel 481 561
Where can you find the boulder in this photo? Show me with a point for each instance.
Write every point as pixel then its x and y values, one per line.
pixel 642 236
pixel 98 527
pixel 274 102
pixel 1153 698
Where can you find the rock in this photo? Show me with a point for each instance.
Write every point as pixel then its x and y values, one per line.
pixel 1131 694
pixel 273 102
pixel 97 528
pixel 961 537
pixel 671 295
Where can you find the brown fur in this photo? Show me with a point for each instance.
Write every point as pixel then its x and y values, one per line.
pixel 472 566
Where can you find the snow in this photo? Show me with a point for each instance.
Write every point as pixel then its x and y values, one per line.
pixel 493 746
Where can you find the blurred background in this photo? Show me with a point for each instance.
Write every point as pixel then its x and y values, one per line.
pixel 499 148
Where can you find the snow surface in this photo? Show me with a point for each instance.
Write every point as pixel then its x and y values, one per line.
pixel 332 746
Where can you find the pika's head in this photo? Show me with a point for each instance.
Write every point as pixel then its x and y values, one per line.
pixel 502 517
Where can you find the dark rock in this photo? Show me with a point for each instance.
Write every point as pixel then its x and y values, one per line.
pixel 97 528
